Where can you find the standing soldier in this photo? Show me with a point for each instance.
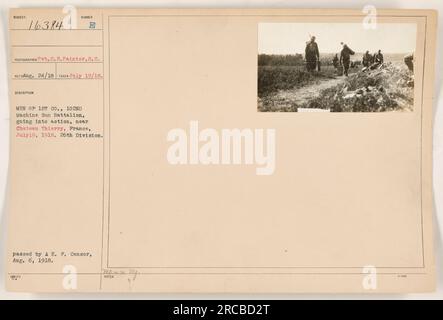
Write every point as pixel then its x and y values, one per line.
pixel 335 61
pixel 345 58
pixel 371 59
pixel 409 61
pixel 379 57
pixel 374 57
pixel 366 59
pixel 312 55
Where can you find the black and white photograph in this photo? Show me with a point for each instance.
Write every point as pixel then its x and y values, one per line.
pixel 336 67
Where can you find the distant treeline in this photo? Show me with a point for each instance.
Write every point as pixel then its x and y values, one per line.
pixel 290 59
pixel 280 60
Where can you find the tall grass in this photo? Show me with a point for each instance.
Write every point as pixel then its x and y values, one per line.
pixel 274 78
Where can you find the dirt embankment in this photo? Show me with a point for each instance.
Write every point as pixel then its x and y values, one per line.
pixel 389 87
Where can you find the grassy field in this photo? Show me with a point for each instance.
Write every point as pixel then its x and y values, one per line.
pixel 284 85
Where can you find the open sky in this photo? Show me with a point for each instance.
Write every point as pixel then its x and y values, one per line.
pixel 290 38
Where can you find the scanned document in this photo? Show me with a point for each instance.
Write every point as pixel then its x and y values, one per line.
pixel 220 150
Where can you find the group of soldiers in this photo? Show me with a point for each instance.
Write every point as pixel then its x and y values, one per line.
pixel 312 56
pixel 371 59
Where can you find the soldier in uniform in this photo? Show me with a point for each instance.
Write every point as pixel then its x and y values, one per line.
pixel 379 57
pixel 335 61
pixel 345 58
pixel 409 61
pixel 312 55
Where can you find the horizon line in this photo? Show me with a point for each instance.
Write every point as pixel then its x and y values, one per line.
pixel 383 52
